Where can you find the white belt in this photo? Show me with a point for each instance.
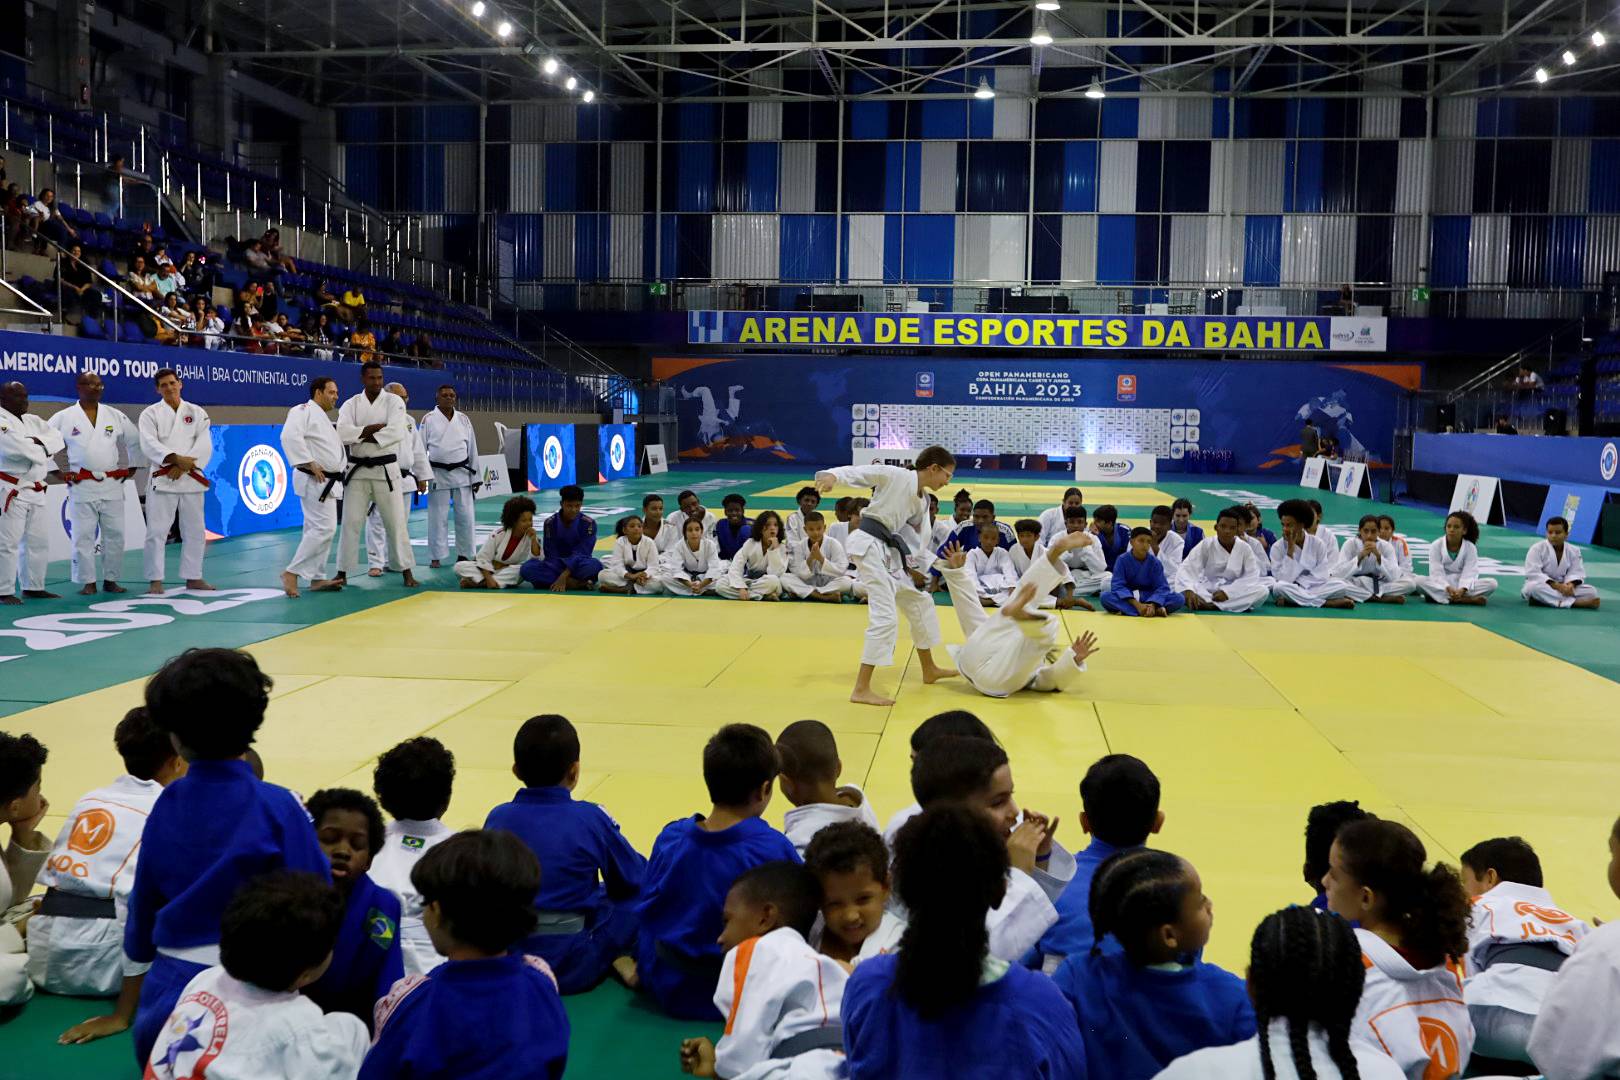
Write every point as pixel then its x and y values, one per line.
pixel 206 955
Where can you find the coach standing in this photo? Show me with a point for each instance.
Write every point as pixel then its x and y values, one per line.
pixel 176 443
pixel 452 450
pixel 311 443
pixel 99 442
pixel 27 445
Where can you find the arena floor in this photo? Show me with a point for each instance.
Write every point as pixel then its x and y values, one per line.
pixel 1465 723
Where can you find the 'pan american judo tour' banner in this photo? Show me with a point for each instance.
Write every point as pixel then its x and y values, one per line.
pixel 944 329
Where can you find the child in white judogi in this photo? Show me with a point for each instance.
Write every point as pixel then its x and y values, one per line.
pixel 1222 572
pixel 413 782
pixel 781 999
pixel 1087 565
pixel 818 568
pixel 991 567
pixel 247 1020
pixel 691 507
pixel 692 567
pixel 1371 567
pixel 76 940
pixel 1167 543
pixel 939 529
pixel 851 860
pixel 808 499
pixel 1555 573
pixel 1302 565
pixel 1518 938
pixel 1053 517
pixel 633 564
pixel 500 559
pixel 1453 576
pixel 809 780
pixel 664 532
pixel 1403 550
pixel 1026 552
pixel 759 566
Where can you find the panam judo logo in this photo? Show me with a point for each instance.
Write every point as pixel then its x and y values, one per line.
pixel 1608 462
pixel 616 452
pixel 1115 468
pixel 262 479
pixel 551 456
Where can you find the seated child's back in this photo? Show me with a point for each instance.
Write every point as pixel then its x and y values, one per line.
pixel 590 875
pixel 412 782
pixel 489 1012
pixel 810 771
pixel 693 864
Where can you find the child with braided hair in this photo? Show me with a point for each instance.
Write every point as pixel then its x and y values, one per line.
pixel 1142 1008
pixel 1305 979
pixel 1413 929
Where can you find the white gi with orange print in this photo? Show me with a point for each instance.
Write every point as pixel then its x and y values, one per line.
pixel 1505 983
pixel 92 862
pixel 782 1001
pixel 1416 1016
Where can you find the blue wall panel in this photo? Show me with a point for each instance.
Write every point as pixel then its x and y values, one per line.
pixel 589 181
pixel 1066 176
pixel 1149 174
pixel 694 179
pixel 1448 259
pixel 1567 256
pixel 1046 259
pixel 997 177
pixel 562 176
pixel 865 175
pixel 930 247
pixel 451 123
pixel 1302 177
pixel 1376 169
pixel 1523 176
pixel 1120 115
pixel 894 174
pixel 1529 241
pixel 1067 118
pixel 764 165
pixel 590 244
pixel 528 246
pixel 1186 177
pixel 362 173
pixel 1603 183
pixel 807 247
pixel 1375 243
pixel 940 120
pixel 1262 249
pixel 1116 249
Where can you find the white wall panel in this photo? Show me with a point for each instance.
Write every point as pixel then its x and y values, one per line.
pixel 1411 249
pixel 1010 112
pixel 1009 239
pixel 1456 117
pixel 1117 177
pixel 1189 247
pixel 1453 176
pixel 1155 117
pixel 1380 118
pixel 938 180
pixel 1572 167
pixel 1221 162
pixel 1411 175
pixel 1302 247
pixel 460 178
pixel 1602 247
pixel 526 182
pixel 1223 248
pixel 626 249
pixel 764 121
pixel 558 247
pixel 1193 119
pixel 628 166
pixel 1488 250
pixel 1258 175
pixel 1079 248
pixel 864 248
pixel 744 247
pixel 798 178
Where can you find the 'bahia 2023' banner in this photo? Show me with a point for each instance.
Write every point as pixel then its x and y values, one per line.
pixel 818 409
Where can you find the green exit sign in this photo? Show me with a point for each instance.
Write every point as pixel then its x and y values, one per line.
pixel 658 288
pixel 1420 294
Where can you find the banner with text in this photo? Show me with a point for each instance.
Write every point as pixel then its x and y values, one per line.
pixel 949 330
pixel 250 482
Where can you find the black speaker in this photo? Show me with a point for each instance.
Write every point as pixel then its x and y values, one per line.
pixel 1555 422
pixel 1445 416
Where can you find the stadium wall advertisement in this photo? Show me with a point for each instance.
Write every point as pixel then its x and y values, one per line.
pixel 1018 413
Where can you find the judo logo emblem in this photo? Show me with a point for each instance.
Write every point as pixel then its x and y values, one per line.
pixel 1608 461
pixel 196 1035
pixel 262 479
pixel 92 831
pixel 616 452
pixel 552 457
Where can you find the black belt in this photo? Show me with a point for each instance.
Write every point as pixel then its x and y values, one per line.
pixel 827 1037
pixel 468 465
pixel 1537 954
pixel 332 477
pixel 372 462
pixel 703 966
pixel 59 904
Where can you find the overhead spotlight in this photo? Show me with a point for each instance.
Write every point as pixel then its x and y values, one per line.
pixel 504 29
pixel 1046 5
pixel 984 93
pixel 1568 58
pixel 589 96
pixel 478 9
pixel 1541 75
pixel 571 83
pixel 1095 91
pixel 530 48
pixel 1041 36
pixel 1598 40
pixel 550 66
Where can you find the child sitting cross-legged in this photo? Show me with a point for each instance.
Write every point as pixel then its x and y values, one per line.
pixel 851 861
pixel 499 563
pixel 780 997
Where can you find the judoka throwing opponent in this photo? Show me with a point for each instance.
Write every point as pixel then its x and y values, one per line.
pixel 1011 648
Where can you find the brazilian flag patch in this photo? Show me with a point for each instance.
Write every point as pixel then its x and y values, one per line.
pixel 380 928
pixel 413 841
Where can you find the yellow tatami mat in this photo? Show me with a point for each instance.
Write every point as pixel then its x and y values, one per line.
pixel 1247 720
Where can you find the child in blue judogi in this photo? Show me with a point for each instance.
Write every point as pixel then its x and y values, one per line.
pixel 568 538
pixel 1143 1007
pixel 1140 587
pixel 489 1012
pixel 967 534
pixel 210 831
pixel 368 958
pixel 732 531
pixel 590 877
pixel 1114 538
pixel 694 861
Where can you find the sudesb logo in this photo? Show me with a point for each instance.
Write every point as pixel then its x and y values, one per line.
pixel 1116 468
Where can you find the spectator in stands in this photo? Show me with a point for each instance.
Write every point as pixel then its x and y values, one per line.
pixel 319 334
pixel 243 338
pixel 363 343
pixel 144 247
pixel 114 185
pixel 176 325
pixel 77 285
pixel 1347 300
pixel 260 268
pixel 1524 380
pixel 330 303
pixel 160 256
pixel 272 248
pixel 43 220
pixel 270 331
pixel 140 281
pixel 203 277
pixel 355 301
pixel 394 343
pixel 1504 426
pixel 208 329
pixel 166 281
pixel 247 304
pixel 422 349
pixel 292 337
pixel 189 272
pixel 268 300
pixel 13 204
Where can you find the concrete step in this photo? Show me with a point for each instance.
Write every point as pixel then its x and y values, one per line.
pixel 20 263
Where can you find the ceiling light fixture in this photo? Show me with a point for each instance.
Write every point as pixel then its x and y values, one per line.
pixel 1598 40
pixel 571 83
pixel 589 96
pixel 1041 36
pixel 1046 5
pixel 478 9
pixel 1541 75
pixel 504 29
pixel 984 92
pixel 1095 91
pixel 550 66
pixel 1568 58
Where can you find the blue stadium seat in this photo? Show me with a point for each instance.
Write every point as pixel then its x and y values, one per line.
pixel 91 328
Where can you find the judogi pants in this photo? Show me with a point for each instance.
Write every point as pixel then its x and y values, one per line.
pixel 24 541
pixel 1166 598
pixel 1435 588
pixel 1002 655
pixel 1363 588
pixel 679 587
pixel 843 586
pixel 615 576
pixel 88 515
pixel 320 529
pixel 543 573
pixel 1089 583
pixel 1240 596
pixel 377 548
pixel 758 588
pixel 359 494
pixel 1318 593
pixel 1544 593
pixel 507 577
pixel 162 507
pixel 439 508
pixel 887 597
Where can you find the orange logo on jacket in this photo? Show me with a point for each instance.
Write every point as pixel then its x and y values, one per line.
pixel 1445 1053
pixel 1545 914
pixel 92 831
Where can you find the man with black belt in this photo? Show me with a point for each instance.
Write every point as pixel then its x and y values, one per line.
pixel 27 445
pixel 375 429
pixel 102 449
pixel 311 443
pixel 452 450
pixel 414 471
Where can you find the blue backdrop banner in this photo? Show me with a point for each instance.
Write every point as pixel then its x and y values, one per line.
pixel 1535 459
pixel 49 365
pixel 617 451
pixel 550 455
pixel 1577 504
pixel 817 409
pixel 251 482
pixel 953 330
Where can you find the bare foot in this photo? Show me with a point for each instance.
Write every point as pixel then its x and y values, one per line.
pixel 434 565
pixel 1590 603
pixel 934 674
pixel 410 580
pixel 1339 603
pixel 199 585
pixel 41 594
pixel 625 968
pixel 88 590
pixel 375 571
pixel 9 600
pixel 289 584
pixel 156 589
pixel 329 585
pixel 112 587
pixel 1390 599
pixel 1083 604
pixel 872 697
pixel 468 583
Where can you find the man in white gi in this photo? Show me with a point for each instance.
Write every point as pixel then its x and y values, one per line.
pixel 310 442
pixel 1223 573
pixel 414 471
pixel 27 445
pixel 374 427
pixel 1555 573
pixel 452 450
pixel 101 442
pixel 1012 649
pixel 176 443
